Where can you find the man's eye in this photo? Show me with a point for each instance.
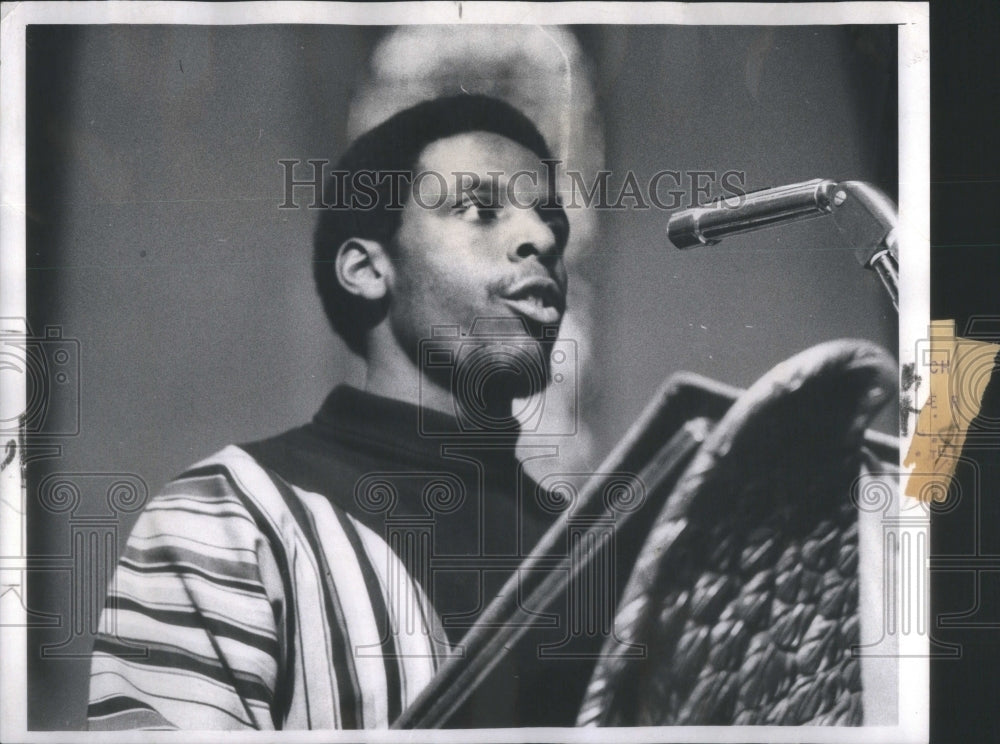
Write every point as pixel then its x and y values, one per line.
pixel 475 211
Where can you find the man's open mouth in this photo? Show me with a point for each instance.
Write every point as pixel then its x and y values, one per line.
pixel 539 300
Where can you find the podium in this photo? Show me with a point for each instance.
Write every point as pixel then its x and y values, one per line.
pixel 722 534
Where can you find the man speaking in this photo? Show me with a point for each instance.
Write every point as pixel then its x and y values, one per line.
pixel 289 583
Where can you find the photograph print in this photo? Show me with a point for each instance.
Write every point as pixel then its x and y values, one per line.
pixel 468 367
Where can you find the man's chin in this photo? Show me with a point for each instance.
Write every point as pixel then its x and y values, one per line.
pixel 503 385
pixel 542 332
pixel 522 386
pixel 514 326
pixel 501 374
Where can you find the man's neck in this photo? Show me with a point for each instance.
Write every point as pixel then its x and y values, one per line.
pixel 392 373
pixel 403 380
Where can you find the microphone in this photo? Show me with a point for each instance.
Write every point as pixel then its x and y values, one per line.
pixel 754 210
pixel 865 216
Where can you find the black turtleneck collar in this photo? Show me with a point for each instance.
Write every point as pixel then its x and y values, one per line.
pixel 352 416
pixel 356 434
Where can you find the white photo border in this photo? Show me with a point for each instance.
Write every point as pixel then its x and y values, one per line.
pixel 912 20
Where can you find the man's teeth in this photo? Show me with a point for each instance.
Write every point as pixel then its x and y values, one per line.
pixel 533 301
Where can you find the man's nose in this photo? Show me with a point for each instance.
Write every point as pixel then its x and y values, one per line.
pixel 533 237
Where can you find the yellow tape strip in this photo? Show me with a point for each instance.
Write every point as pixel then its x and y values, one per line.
pixel 959 370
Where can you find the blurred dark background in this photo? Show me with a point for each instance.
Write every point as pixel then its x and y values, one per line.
pixel 154 237
pixel 965 274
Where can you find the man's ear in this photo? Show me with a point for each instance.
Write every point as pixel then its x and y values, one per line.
pixel 363 268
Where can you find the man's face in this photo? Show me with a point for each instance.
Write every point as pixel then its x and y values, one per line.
pixel 491 247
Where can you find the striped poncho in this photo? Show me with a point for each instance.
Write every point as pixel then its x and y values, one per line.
pixel 244 602
pixel 318 578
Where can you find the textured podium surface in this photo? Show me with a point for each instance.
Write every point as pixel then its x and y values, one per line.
pixel 745 593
